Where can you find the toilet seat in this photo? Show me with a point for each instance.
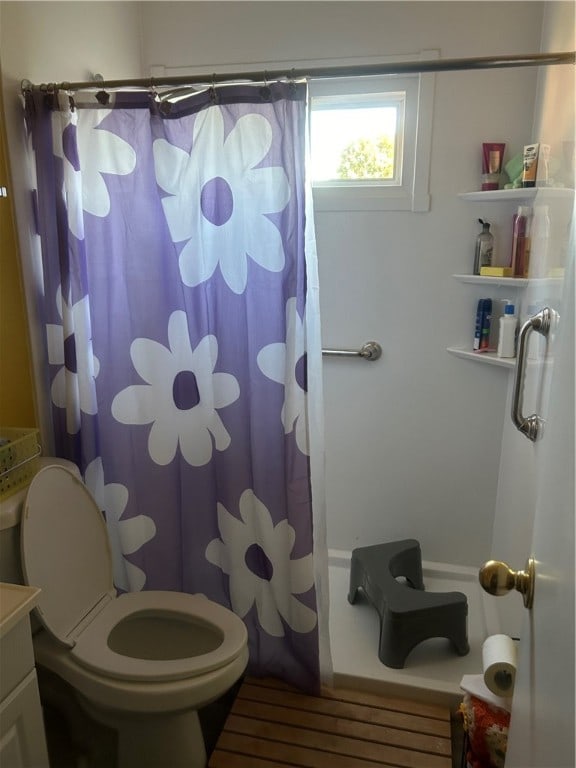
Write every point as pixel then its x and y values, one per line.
pixel 92 649
pixel 66 552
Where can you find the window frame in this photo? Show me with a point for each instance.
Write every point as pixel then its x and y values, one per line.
pixel 412 194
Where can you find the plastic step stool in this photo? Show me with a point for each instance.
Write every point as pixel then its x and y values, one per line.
pixel 408 614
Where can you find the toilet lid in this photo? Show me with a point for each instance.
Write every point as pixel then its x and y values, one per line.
pixel 65 550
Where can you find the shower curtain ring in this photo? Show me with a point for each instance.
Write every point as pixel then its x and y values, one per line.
pixel 265 91
pixel 153 92
pixel 213 93
pixel 103 97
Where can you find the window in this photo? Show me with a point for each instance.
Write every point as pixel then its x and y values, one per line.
pixel 365 147
pixel 370 142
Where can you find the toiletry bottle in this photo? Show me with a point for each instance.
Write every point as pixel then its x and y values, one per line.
pixel 484 252
pixel 520 256
pixel 540 242
pixel 482 326
pixel 507 333
pixel 530 165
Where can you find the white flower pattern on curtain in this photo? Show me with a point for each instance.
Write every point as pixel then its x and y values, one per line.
pixel 182 397
pixel 286 365
pixel 70 346
pixel 96 152
pixel 218 199
pixel 252 551
pixel 126 536
pixel 178 241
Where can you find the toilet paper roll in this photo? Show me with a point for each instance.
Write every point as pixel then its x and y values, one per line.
pixel 499 664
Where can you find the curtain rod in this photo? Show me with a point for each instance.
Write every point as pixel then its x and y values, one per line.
pixel 357 70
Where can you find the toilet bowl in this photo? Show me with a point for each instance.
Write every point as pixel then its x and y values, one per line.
pixel 142 663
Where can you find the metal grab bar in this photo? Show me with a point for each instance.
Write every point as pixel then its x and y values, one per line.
pixel 530 426
pixel 371 350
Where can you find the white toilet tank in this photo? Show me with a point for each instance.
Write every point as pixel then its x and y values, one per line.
pixel 10 513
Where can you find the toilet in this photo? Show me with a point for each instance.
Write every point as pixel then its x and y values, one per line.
pixel 141 663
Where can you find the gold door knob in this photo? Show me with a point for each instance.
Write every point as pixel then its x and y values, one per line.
pixel 497 578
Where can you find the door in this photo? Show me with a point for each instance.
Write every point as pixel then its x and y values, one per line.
pixel 542 727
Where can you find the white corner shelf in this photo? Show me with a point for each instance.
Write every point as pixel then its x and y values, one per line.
pixel 510 282
pixel 503 195
pixel 514 282
pixel 498 195
pixel 484 358
pixel 520 283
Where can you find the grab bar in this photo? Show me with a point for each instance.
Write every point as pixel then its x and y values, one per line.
pixel 530 426
pixel 371 350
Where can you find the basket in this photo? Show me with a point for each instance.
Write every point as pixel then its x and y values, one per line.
pixel 18 458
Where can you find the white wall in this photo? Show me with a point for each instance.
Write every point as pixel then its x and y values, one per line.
pixel 413 441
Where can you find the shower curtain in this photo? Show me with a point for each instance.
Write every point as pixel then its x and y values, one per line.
pixel 182 352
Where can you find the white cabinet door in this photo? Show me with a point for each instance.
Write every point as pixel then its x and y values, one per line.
pixel 22 740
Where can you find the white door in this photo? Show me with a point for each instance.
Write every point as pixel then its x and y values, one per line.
pixel 542 729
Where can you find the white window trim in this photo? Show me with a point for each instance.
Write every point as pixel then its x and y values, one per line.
pixel 414 195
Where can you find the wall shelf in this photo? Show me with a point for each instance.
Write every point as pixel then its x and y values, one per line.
pixel 514 282
pixel 498 195
pixel 510 282
pixel 503 195
pixel 518 284
pixel 484 358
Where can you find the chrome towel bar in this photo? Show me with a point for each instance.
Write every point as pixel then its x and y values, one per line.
pixel 371 350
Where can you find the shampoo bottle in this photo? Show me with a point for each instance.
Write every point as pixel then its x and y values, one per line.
pixel 484 252
pixel 507 333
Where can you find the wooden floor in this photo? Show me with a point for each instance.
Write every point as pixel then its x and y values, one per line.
pixel 274 726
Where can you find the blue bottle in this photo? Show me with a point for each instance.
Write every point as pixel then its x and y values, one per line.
pixel 482 326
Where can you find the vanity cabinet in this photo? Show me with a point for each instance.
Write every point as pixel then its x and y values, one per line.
pixel 22 736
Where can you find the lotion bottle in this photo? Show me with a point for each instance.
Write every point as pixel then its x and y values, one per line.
pixel 507 333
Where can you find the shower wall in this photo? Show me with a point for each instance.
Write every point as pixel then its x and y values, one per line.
pixel 413 440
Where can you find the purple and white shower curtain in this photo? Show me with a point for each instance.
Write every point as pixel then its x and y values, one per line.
pixel 181 315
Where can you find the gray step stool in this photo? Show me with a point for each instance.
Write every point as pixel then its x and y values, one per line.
pixel 408 614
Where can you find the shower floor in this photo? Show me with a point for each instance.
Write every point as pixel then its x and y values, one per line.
pixel 433 670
